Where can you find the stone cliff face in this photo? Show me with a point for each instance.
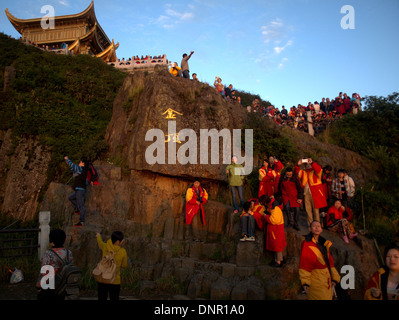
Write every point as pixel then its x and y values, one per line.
pixel 147 201
pixel 23 175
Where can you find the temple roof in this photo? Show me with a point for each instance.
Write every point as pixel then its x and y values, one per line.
pixel 92 36
pixel 88 15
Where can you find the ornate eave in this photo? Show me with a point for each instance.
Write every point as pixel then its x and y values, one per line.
pixel 86 35
pixel 87 17
pixel 20 24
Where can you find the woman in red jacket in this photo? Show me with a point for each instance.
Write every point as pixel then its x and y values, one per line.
pixel 337 222
pixel 267 178
pixel 384 284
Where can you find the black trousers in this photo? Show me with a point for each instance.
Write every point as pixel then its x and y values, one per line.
pixel 112 290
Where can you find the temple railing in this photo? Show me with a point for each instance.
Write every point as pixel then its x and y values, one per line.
pixel 135 63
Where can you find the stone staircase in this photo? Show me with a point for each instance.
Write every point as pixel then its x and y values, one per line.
pixel 201 262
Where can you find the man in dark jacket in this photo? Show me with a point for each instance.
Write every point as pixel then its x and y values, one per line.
pixel 79 186
pixel 291 192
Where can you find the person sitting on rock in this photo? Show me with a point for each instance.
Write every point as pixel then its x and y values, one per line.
pixel 337 222
pixel 247 223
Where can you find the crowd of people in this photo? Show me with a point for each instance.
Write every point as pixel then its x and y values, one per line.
pixel 320 115
pixel 281 194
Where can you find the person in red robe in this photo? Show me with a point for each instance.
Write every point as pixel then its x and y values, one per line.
pixel 291 193
pixel 277 167
pixel 275 234
pixel 196 197
pixel 266 180
pixel 309 174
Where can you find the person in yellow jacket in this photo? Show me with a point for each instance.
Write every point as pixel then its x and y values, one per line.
pixel 317 273
pixel 114 244
pixel 175 70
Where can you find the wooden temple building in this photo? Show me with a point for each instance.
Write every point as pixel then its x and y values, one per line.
pixel 79 33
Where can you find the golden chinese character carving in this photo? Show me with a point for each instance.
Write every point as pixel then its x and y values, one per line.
pixel 174 136
pixel 171 114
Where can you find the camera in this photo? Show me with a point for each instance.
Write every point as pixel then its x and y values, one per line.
pixel 200 200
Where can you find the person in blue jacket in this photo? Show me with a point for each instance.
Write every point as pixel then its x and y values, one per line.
pixel 77 198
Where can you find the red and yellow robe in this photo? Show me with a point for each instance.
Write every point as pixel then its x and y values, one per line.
pixel 379 280
pixel 267 182
pixel 314 270
pixel 192 207
pixel 275 237
pixel 313 177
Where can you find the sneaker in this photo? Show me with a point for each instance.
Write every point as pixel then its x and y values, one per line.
pixel 345 239
pixel 244 238
pixel 79 224
pixel 235 211
pixel 353 235
pixel 76 211
pixel 251 238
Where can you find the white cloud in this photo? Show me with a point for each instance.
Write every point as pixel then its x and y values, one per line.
pixel 273 30
pixel 278 50
pixel 64 3
pixel 172 17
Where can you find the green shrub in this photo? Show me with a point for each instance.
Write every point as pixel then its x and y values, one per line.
pixel 64 101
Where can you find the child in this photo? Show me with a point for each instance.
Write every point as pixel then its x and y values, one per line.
pixel 113 244
pixel 247 223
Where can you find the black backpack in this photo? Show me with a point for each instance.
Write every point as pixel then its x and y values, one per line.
pixel 67 278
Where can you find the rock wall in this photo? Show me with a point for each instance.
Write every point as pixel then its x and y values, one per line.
pixel 23 175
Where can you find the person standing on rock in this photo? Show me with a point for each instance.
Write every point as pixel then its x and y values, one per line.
pixel 275 234
pixel 317 273
pixel 77 198
pixel 236 182
pixel 196 197
pixel 266 180
pixel 309 174
pixel 291 193
pixel 184 65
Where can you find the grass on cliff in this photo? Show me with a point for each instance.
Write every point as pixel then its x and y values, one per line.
pixel 64 101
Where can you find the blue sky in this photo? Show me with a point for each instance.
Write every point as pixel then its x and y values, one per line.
pixel 287 51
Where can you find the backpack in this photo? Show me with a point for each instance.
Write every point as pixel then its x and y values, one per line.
pixel 92 175
pixel 67 278
pixel 106 269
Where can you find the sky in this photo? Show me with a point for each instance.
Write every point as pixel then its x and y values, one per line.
pixel 289 52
